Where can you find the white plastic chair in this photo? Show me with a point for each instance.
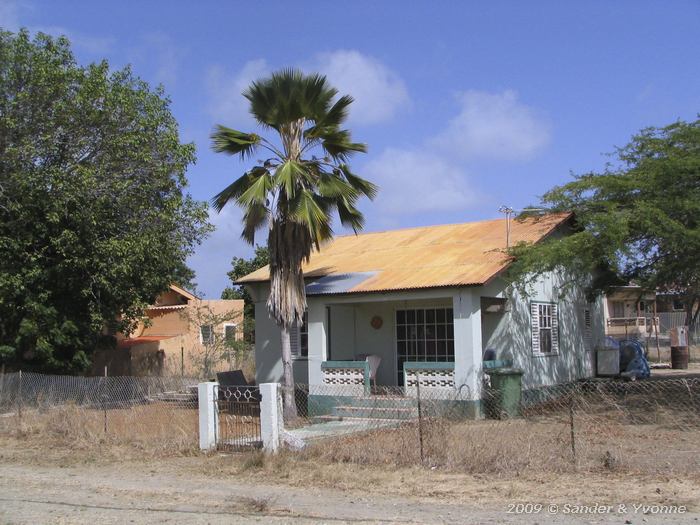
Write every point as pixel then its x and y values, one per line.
pixel 374 361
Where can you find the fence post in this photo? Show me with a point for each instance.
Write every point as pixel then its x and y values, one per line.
pixel 208 414
pixel 571 426
pixel 420 418
pixel 104 399
pixel 19 398
pixel 271 419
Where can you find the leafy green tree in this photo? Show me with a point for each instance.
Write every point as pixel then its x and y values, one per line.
pixel 94 218
pixel 637 220
pixel 240 268
pixel 295 192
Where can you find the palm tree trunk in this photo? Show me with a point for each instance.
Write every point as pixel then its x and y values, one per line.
pixel 289 403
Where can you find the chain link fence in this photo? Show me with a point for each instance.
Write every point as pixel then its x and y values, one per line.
pixel 650 426
pixel 153 412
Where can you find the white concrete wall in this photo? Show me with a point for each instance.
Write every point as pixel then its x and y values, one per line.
pixel 342 330
pixel 510 333
pixel 268 350
pixel 467 326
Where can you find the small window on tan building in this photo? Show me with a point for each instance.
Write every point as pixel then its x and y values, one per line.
pixel 230 332
pixel 206 334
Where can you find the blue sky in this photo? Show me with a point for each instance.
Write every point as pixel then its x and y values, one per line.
pixel 464 105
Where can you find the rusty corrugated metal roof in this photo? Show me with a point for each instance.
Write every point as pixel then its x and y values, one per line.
pixel 426 257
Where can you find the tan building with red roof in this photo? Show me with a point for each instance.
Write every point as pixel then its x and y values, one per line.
pixel 180 334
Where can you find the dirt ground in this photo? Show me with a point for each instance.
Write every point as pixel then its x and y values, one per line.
pixel 61 485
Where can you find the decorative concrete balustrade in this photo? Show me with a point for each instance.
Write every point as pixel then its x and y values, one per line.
pixel 353 376
pixel 428 376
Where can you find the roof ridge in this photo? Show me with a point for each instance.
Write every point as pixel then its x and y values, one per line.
pixel 445 225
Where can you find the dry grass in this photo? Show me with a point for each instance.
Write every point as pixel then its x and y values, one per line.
pixel 155 428
pixel 518 447
pixel 438 484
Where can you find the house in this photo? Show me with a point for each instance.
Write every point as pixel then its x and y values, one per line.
pixel 433 297
pixel 180 334
pixel 630 313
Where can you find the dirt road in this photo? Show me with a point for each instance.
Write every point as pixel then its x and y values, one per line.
pixel 130 493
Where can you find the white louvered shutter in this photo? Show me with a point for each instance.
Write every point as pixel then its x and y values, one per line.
pixel 294 340
pixel 535 327
pixel 555 329
pixel 587 328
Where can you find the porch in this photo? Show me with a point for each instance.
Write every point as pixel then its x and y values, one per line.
pixel 432 340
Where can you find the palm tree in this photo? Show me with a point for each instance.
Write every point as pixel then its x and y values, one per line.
pixel 296 191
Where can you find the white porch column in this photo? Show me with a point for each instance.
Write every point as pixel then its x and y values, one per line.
pixel 208 414
pixel 318 329
pixel 466 304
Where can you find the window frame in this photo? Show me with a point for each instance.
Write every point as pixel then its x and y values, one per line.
pixel 235 333
pixel 673 305
pixel 449 352
pixel 553 329
pixel 211 338
pixel 299 339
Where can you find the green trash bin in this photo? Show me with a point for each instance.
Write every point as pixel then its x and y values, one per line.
pixel 505 392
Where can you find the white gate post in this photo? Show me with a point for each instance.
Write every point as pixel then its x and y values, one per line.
pixel 208 414
pixel 271 420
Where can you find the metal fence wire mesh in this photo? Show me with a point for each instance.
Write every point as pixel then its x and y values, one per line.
pixel 639 426
pixel 160 411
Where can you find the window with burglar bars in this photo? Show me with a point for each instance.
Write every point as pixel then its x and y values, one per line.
pixel 230 332
pixel 206 334
pixel 545 329
pixel 299 338
pixel 424 334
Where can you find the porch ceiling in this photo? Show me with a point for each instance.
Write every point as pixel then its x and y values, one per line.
pixel 414 258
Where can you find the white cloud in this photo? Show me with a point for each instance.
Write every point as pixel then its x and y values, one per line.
pixel 92 44
pixel 227 103
pixel 378 91
pixel 165 54
pixel 414 182
pixel 433 176
pixel 494 125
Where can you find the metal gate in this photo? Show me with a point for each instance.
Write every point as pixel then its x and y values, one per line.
pixel 239 417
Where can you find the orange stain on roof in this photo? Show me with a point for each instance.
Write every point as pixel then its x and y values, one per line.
pixel 425 257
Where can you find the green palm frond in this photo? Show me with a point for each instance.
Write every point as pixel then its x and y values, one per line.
pixel 287 96
pixel 312 211
pixel 257 192
pixel 289 176
pixel 350 216
pixel 234 142
pixel 338 144
pixel 330 185
pixel 255 217
pixel 237 187
pixel 367 188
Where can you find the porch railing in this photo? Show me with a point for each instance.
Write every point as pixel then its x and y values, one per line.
pixel 352 374
pixel 429 375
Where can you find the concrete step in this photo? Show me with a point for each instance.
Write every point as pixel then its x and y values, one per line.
pixel 375 412
pixel 364 421
pixel 380 402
